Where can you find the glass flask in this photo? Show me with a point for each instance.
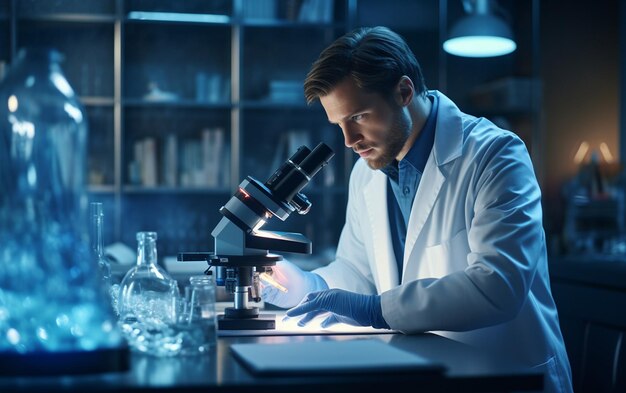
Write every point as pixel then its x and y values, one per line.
pixel 50 298
pixel 147 302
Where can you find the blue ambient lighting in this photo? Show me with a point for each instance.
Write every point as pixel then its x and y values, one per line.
pixel 178 17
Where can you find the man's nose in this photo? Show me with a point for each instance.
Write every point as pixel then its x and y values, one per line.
pixel 351 136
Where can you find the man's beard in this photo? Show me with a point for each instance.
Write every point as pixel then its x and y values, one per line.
pixel 398 134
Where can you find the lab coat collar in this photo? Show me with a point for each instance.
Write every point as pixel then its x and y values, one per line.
pixel 448 132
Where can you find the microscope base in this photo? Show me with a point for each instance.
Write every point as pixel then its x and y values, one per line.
pixel 262 322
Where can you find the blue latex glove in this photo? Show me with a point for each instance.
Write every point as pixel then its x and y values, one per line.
pixel 297 282
pixel 343 306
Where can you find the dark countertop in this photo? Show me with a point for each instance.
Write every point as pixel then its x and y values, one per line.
pixel 467 369
pixel 608 271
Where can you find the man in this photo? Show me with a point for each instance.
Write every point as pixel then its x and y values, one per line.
pixel 443 226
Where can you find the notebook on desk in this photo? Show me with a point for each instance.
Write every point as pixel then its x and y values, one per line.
pixel 356 356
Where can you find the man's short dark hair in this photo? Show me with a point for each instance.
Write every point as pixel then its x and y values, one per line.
pixel 374 57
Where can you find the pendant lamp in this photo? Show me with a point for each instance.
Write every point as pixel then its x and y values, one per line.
pixel 481 33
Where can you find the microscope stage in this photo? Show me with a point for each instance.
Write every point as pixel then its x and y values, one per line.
pixel 262 322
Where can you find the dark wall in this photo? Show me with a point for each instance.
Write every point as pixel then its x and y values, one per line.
pixel 580 72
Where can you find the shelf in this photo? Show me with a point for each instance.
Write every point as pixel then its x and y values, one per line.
pixel 70 18
pixel 141 103
pixel 273 23
pixel 269 104
pixel 97 101
pixel 100 189
pixel 211 56
pixel 177 17
pixel 176 190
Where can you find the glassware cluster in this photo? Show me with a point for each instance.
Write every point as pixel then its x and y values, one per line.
pixel 56 292
pixel 153 316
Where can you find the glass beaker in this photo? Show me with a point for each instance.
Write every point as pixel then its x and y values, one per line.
pixel 147 302
pixel 200 321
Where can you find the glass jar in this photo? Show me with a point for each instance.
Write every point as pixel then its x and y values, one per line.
pixel 147 302
pixel 201 317
pixel 50 298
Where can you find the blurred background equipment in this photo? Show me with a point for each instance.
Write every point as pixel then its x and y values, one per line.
pixel 55 312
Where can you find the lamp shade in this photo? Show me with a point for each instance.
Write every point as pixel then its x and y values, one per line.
pixel 480 35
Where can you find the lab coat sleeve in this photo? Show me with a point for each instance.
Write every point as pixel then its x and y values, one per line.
pixel 350 269
pixel 505 238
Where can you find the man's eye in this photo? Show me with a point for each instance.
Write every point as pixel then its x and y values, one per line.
pixel 357 117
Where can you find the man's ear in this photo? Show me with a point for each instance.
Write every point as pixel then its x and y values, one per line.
pixel 404 91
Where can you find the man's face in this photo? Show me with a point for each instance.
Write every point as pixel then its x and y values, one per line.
pixel 373 127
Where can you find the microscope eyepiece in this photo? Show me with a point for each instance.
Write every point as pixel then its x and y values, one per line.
pixel 289 165
pixel 318 158
pixel 254 203
pixel 287 184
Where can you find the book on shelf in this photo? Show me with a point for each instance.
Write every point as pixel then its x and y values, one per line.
pixel 142 170
pixel 170 161
pixel 225 166
pixel 212 148
pixel 149 164
pixel 286 91
pixel 200 161
pixel 191 169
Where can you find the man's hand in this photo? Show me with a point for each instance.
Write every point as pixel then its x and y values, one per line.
pixel 343 306
pixel 293 284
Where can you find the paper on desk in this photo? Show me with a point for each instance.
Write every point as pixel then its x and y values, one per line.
pixel 320 357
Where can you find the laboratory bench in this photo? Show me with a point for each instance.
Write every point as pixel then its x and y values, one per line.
pixel 466 369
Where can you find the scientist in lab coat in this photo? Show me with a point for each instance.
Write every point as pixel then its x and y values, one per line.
pixel 443 227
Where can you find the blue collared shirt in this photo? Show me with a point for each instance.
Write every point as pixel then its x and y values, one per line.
pixel 403 179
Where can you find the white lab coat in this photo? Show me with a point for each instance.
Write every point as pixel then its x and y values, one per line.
pixel 475 266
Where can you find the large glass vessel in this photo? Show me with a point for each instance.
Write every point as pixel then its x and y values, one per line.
pixel 51 294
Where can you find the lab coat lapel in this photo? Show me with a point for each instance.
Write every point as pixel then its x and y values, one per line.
pixel 447 147
pixel 375 196
pixel 425 198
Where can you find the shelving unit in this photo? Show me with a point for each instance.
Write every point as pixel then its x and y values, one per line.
pixel 149 71
pixel 146 70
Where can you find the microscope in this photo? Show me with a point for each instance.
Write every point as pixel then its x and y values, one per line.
pixel 242 248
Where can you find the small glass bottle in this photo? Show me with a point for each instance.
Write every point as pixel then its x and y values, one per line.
pixel 202 318
pixel 147 302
